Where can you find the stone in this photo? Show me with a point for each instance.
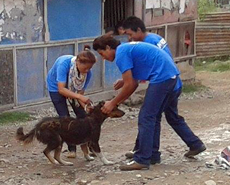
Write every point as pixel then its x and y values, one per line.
pixel 210 182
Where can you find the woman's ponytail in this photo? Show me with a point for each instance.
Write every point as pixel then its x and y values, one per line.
pixel 87 47
pixel 86 56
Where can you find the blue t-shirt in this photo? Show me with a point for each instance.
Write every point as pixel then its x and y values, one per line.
pixel 160 42
pixel 60 73
pixel 146 61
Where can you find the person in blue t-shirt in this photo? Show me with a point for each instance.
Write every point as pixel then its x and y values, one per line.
pixel 67 79
pixel 142 61
pixel 136 30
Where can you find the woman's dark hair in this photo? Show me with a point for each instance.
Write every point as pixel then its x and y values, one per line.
pixel 134 23
pixel 105 40
pixel 108 29
pixel 86 56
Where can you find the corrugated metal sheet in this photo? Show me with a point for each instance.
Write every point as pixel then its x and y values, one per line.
pixel 219 17
pixel 213 36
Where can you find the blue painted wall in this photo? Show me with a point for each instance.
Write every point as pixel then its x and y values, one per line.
pixel 30 75
pixel 74 18
pixel 95 83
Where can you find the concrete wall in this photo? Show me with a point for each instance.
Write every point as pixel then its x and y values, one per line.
pixel 169 11
pixel 21 21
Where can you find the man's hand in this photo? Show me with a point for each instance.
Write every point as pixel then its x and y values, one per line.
pixel 118 84
pixel 108 107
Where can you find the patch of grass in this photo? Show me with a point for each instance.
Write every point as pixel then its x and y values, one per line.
pixel 204 7
pixel 12 117
pixel 213 64
pixel 191 88
pixel 220 67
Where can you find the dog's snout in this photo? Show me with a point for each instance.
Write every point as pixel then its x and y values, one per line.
pixel 116 113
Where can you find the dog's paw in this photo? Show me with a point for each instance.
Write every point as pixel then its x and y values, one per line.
pixel 56 162
pixel 67 163
pixel 89 158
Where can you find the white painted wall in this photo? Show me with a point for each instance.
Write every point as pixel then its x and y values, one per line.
pixel 167 4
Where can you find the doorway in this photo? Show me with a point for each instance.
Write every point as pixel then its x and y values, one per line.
pixel 115 11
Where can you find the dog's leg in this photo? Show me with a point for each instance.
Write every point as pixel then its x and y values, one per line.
pixel 103 159
pixel 85 149
pixel 47 154
pixel 97 151
pixel 57 156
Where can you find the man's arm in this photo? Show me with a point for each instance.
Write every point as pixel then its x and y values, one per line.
pixel 130 85
pixel 128 88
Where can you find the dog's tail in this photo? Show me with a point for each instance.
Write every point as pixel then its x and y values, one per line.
pixel 26 138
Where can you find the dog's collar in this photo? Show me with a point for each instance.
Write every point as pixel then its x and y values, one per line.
pixel 69 125
pixel 89 104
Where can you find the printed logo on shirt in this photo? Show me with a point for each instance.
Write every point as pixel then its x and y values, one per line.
pixel 133 42
pixel 162 43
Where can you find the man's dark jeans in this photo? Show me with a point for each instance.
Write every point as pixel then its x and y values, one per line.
pixel 160 98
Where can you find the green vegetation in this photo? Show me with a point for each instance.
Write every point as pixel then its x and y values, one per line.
pixel 191 88
pixel 12 117
pixel 204 7
pixel 213 64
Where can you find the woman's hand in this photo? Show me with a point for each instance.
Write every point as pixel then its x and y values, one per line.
pixel 118 84
pixel 84 99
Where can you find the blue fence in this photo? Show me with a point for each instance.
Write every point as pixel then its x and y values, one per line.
pixel 30 63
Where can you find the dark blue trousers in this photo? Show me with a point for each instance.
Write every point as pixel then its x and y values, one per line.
pixel 160 98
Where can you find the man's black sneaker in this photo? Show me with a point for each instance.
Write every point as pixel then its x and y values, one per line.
pixel 154 161
pixel 192 153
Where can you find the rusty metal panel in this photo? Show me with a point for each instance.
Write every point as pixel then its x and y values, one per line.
pixel 219 17
pixel 96 82
pixel 30 75
pixel 213 36
pixel 6 77
pixel 54 52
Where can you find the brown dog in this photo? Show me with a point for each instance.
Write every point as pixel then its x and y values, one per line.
pixel 54 131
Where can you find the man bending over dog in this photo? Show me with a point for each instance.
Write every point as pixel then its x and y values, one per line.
pixel 136 30
pixel 143 61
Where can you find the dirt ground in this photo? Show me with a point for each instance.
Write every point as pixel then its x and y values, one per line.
pixel 206 112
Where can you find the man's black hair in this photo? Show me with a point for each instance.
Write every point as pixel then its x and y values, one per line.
pixel 105 40
pixel 134 23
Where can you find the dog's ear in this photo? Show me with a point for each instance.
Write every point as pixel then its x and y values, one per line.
pixel 116 113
